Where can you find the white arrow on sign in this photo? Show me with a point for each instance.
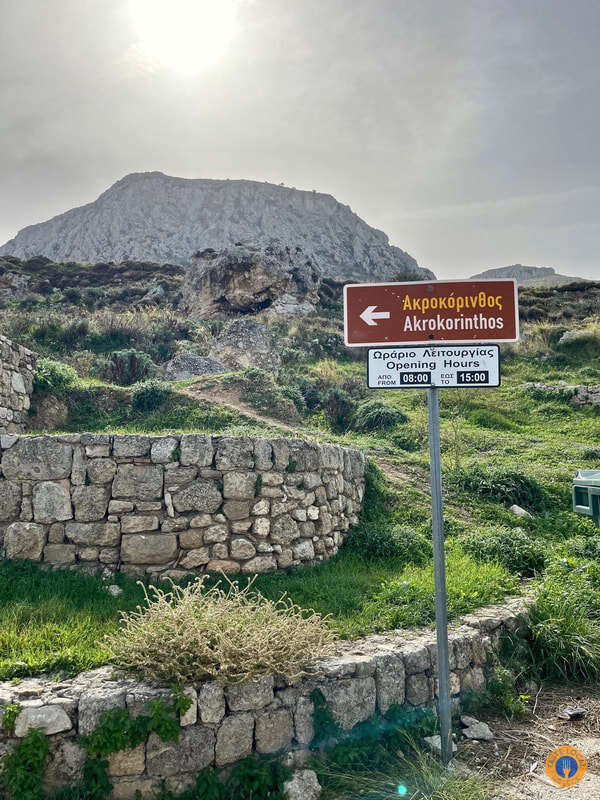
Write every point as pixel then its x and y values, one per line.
pixel 369 315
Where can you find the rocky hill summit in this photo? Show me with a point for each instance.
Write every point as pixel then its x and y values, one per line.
pixel 528 276
pixel 154 217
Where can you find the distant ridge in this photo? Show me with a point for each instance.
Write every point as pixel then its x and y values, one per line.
pixel 528 276
pixel 149 216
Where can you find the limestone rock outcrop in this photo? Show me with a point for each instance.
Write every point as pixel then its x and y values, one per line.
pixel 250 277
pixel 247 343
pixel 150 216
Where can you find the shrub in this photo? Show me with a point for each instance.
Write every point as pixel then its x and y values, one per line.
pixel 340 409
pixel 125 367
pixel 227 634
pixel 504 485
pixel 375 415
pixel 583 547
pixel 407 438
pixel 400 542
pixel 488 418
pixel 512 547
pixel 565 622
pixel 53 377
pixel 150 395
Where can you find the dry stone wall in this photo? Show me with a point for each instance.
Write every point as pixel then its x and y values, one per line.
pixel 264 716
pixel 176 504
pixel 17 365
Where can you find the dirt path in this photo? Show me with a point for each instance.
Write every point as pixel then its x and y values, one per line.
pixel 517 755
pixel 418 478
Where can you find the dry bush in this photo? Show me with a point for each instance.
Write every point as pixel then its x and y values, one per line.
pixel 189 634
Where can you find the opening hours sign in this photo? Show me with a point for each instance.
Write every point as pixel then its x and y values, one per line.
pixel 426 312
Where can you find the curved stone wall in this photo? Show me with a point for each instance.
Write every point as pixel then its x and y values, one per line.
pixel 176 504
pixel 268 715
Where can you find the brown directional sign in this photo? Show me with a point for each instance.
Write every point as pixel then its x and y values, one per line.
pixel 425 312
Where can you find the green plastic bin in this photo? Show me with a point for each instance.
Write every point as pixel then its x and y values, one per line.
pixel 586 493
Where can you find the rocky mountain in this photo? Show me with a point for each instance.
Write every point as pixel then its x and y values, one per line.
pixel 150 216
pixel 528 276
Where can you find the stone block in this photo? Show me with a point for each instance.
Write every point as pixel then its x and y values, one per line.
pixel 138 481
pixel 56 533
pixel 261 526
pixel 120 507
pixel 157 548
pixel 250 695
pixel 350 700
pixel 201 495
pixel 64 766
pixel 234 738
pixel 195 558
pixel 242 549
pixel 303 720
pixel 234 452
pixel 101 534
pixel 24 540
pixel 416 658
pixel 193 752
pixel 274 730
pixel 304 550
pixel 417 689
pixel 190 717
pixel 236 509
pixel 284 530
pixel 47 718
pixel 211 703
pixel 59 553
pixel 128 762
pixel 51 502
pixel 239 485
pixel 196 450
pixel 259 564
pixel 263 454
pixel 10 500
pixel 164 450
pixel 90 502
pixel 390 680
pixel 215 533
pixel 38 458
pixel 101 470
pixel 131 446
pixel 139 523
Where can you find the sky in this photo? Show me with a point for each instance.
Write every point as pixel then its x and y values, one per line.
pixel 469 131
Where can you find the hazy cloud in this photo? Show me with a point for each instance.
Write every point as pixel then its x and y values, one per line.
pixel 468 131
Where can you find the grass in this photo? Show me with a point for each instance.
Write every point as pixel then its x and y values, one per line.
pixel 55 621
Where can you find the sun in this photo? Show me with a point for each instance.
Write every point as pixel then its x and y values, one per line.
pixel 183 35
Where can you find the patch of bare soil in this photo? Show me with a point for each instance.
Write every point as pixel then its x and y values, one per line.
pixel 516 756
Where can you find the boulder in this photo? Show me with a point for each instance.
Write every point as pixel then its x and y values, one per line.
pixel 249 277
pixel 247 343
pixel 184 366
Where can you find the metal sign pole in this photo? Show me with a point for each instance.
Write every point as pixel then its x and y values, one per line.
pixel 439 571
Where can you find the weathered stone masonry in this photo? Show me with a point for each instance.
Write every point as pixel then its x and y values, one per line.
pixel 176 504
pixel 268 715
pixel 17 365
